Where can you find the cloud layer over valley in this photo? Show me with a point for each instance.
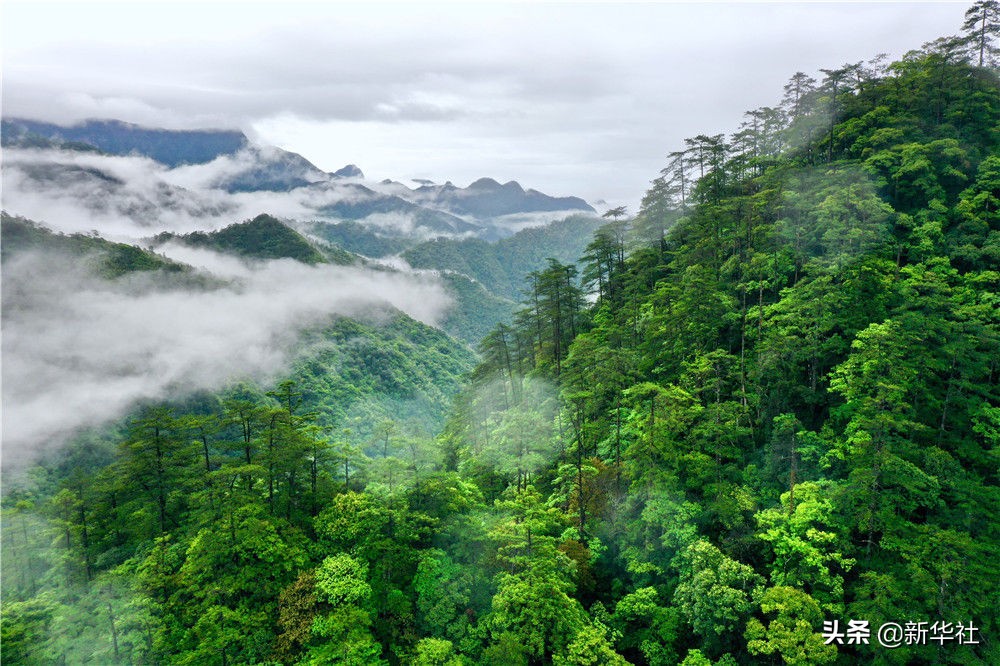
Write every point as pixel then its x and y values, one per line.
pixel 133 197
pixel 79 350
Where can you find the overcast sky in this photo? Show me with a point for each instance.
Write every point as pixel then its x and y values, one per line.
pixel 571 99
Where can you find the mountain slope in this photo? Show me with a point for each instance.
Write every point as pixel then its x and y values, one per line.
pixel 784 408
pixel 356 237
pixel 106 258
pixel 169 147
pixel 359 372
pixel 263 237
pixel 502 265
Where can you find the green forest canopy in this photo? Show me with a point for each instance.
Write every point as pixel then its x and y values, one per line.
pixel 778 407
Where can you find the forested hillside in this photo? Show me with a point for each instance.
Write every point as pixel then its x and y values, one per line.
pixel 104 257
pixel 501 265
pixel 263 237
pixel 765 411
pixel 362 398
pixel 782 409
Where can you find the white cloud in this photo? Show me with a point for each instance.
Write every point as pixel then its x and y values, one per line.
pixel 130 198
pixel 574 99
pixel 79 351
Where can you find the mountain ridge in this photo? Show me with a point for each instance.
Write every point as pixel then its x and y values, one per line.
pixel 170 147
pixel 234 164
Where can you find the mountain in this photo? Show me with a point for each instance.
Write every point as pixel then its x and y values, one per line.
pixel 100 191
pixel 269 169
pixel 476 309
pixel 263 237
pixel 194 184
pixel 501 266
pixel 485 276
pixel 791 387
pixel 767 404
pixel 366 357
pixel 486 198
pixel 103 257
pixel 170 147
pixel 395 215
pixel 190 170
pixel 349 171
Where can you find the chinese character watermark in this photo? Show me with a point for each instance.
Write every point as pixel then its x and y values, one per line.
pixel 893 634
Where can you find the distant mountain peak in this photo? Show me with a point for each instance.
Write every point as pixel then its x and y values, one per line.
pixel 487 198
pixel 485 184
pixel 349 171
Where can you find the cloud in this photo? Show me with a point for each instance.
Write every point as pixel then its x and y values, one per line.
pixel 131 198
pixel 511 224
pixel 519 433
pixel 405 224
pixel 122 197
pixel 79 351
pixel 556 95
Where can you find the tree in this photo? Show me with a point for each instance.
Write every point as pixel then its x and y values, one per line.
pixel 521 440
pixel 655 426
pixel 877 382
pixel 24 629
pixel 155 461
pixel 646 627
pixel 435 652
pixel 797 92
pixel 657 212
pixel 792 631
pixel 443 590
pixel 807 544
pixel 228 587
pixel 590 647
pixel 342 635
pixel 537 610
pixel 605 262
pixel 554 305
pixel 297 607
pixel 716 594
pixel 532 600
pixel 982 26
pixel 975 240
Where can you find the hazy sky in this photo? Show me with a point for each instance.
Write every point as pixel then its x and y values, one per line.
pixel 572 99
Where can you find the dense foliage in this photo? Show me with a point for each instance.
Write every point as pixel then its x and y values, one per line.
pixel 769 401
pixel 263 237
pixel 106 258
pixel 360 239
pixel 501 266
pixel 476 311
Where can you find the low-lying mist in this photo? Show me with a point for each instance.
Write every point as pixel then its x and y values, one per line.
pixel 79 350
pixel 132 197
